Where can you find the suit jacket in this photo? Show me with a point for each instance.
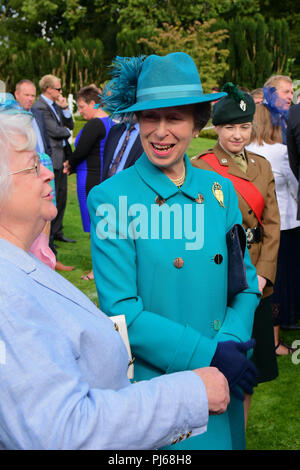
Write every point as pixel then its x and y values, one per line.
pixel 167 280
pixel 259 172
pixel 38 115
pixel 293 144
pixel 293 139
pixel 58 131
pixel 63 372
pixel 111 143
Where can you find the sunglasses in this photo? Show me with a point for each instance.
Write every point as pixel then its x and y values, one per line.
pixel 57 89
pixel 36 167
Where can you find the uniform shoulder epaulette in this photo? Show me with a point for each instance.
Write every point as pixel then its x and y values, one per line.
pixel 255 154
pixel 196 157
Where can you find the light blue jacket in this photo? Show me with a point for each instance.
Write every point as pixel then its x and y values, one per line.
pixel 172 288
pixel 63 372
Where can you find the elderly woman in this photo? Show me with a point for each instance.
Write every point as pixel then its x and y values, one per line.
pixel 63 365
pixel 158 232
pixel 253 179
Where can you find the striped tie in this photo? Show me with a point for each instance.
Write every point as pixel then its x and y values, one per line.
pixel 112 170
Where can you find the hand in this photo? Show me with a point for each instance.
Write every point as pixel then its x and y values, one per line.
pixel 261 283
pixel 217 389
pixel 230 358
pixel 61 101
pixel 67 167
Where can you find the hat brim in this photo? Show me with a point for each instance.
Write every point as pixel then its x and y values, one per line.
pixel 168 103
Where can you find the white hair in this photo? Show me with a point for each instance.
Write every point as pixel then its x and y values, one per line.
pixel 11 127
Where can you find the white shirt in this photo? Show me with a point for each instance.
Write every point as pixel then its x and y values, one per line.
pixel 285 181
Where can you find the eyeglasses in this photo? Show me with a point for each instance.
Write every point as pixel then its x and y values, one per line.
pixel 57 89
pixel 36 167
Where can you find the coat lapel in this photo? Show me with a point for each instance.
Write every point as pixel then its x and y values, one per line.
pixel 48 107
pixel 44 275
pixel 57 283
pixel 233 168
pixel 252 170
pixel 111 143
pixel 135 152
pixel 161 184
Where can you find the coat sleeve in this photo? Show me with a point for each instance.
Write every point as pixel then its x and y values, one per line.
pixel 48 405
pixel 54 129
pixel 267 261
pixel 293 139
pixel 114 262
pixel 42 126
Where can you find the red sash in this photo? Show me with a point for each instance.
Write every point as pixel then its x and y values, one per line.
pixel 246 189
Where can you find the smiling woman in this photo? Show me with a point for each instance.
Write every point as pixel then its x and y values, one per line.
pixel 165 135
pixel 174 293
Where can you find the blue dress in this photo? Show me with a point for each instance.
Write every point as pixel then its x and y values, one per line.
pixel 87 161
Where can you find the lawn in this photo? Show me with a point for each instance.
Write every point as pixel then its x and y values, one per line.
pixel 274 421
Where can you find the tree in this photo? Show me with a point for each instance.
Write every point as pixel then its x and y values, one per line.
pixel 290 11
pixel 77 63
pixel 257 50
pixel 119 24
pixel 200 42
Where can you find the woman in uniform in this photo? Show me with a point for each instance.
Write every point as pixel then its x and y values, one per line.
pixel 254 183
pixel 158 234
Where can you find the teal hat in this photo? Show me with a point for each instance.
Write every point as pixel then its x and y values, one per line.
pixel 235 108
pixel 141 83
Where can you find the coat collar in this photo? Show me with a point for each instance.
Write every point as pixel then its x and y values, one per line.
pixel 47 102
pixel 43 275
pixel 162 185
pixel 233 169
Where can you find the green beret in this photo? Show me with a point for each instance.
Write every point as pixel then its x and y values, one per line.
pixel 235 108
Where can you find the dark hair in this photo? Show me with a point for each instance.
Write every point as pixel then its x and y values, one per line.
pixel 88 94
pixel 201 114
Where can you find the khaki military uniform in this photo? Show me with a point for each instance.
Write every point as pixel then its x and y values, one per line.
pixel 264 253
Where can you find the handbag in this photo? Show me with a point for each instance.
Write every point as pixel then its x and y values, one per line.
pixel 236 244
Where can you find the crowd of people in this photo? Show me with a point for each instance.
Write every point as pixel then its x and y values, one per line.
pixel 201 258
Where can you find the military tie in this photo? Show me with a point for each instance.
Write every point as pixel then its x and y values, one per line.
pixel 241 162
pixel 113 168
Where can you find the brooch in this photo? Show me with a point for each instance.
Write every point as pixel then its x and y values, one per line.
pixel 218 193
pixel 243 105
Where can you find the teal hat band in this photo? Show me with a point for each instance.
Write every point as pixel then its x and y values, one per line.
pixel 168 92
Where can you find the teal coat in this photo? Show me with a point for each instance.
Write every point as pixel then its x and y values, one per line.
pixel 169 285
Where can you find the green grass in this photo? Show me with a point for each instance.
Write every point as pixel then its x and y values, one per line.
pixel 275 410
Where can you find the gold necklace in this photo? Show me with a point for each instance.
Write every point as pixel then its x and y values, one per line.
pixel 179 181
